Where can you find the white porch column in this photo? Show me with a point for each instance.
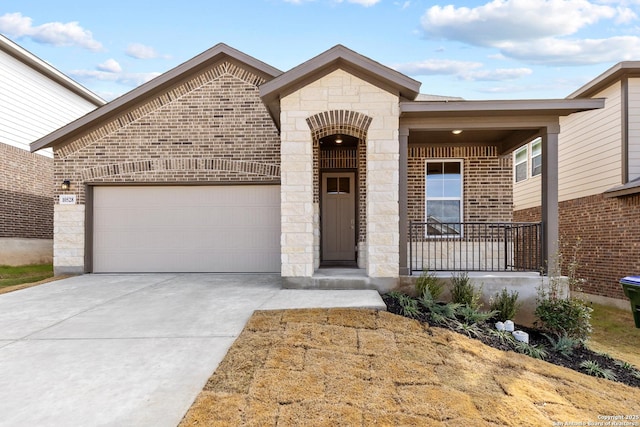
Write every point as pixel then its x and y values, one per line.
pixel 403 202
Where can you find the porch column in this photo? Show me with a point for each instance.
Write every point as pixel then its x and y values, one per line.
pixel 403 195
pixel 550 221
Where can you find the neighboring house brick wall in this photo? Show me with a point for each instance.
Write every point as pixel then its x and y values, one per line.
pixel 488 196
pixel 26 204
pixel 608 229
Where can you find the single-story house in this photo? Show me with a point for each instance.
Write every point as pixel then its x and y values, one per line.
pixel 599 183
pixel 227 164
pixel 35 99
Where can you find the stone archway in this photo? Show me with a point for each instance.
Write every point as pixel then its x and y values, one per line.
pixel 354 124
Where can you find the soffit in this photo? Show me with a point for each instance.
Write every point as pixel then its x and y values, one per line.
pixel 218 53
pixel 338 57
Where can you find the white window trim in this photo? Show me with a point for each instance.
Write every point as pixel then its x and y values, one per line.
pixel 461 198
pixel 536 141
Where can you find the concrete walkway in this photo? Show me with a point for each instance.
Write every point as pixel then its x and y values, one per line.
pixel 130 350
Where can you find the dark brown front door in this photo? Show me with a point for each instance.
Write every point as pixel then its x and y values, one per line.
pixel 338 217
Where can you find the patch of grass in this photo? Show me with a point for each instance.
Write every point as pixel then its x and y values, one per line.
pixel 563 344
pixel 535 351
pixel 615 333
pixel 12 276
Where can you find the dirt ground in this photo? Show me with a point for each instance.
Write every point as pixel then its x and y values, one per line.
pixel 328 367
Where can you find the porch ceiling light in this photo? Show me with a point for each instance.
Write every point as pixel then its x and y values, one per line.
pixel 66 184
pixel 338 139
pixel 456 131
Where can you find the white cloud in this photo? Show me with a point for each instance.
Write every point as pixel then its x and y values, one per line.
pixel 140 51
pixel 110 66
pixel 432 67
pixel 464 70
pixel 501 21
pixel 537 31
pixel 127 79
pixel 498 75
pixel 551 51
pixel 55 33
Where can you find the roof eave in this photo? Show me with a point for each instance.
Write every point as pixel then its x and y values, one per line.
pixel 606 79
pixel 558 107
pixel 48 71
pixel 166 80
pixel 338 57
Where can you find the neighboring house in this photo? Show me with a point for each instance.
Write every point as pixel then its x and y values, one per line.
pixel 226 164
pixel 599 182
pixel 35 99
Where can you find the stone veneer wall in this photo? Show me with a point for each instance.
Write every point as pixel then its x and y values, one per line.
pixel 210 128
pixel 339 90
pixel 26 194
pixel 609 231
pixel 487 182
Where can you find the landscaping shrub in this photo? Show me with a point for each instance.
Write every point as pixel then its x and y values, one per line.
pixel 429 282
pixel 464 292
pixel 562 315
pixel 506 304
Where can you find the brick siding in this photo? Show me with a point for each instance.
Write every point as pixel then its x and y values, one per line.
pixel 26 194
pixel 610 234
pixel 211 128
pixel 487 182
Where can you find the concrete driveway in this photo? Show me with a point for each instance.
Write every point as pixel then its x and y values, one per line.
pixel 129 350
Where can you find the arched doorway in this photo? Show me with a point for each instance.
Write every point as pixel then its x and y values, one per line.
pixel 338 170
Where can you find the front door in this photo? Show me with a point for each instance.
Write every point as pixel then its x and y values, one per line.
pixel 338 219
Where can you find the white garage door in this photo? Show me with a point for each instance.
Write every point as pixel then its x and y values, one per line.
pixel 225 228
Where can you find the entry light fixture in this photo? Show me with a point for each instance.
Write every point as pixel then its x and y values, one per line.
pixel 66 184
pixel 456 131
pixel 339 139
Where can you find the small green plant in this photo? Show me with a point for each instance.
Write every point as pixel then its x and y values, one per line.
pixel 439 314
pixel 506 304
pixel 537 351
pixel 470 330
pixel 408 305
pixel 464 292
pixel 503 336
pixel 563 344
pixel 559 313
pixel 473 315
pixel 429 282
pixel 595 370
pixel 625 365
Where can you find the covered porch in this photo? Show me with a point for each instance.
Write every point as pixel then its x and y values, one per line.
pixel 456 176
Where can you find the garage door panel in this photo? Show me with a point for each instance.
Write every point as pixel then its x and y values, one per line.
pixel 187 229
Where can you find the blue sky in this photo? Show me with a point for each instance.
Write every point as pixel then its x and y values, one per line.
pixel 500 49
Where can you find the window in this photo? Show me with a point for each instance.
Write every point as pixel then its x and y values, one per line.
pixel 521 163
pixel 536 157
pixel 338 185
pixel 443 187
pixel 521 168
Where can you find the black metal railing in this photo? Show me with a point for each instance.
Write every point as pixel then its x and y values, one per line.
pixel 475 246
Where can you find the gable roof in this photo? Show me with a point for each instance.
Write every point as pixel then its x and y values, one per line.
pixel 613 74
pixel 32 61
pixel 337 57
pixel 213 55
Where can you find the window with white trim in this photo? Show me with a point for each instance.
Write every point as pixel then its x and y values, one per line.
pixel 521 163
pixel 443 196
pixel 536 157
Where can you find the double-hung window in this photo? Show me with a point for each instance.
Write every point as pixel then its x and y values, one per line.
pixel 522 161
pixel 443 187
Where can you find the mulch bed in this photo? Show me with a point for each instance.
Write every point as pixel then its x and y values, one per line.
pixel 537 338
